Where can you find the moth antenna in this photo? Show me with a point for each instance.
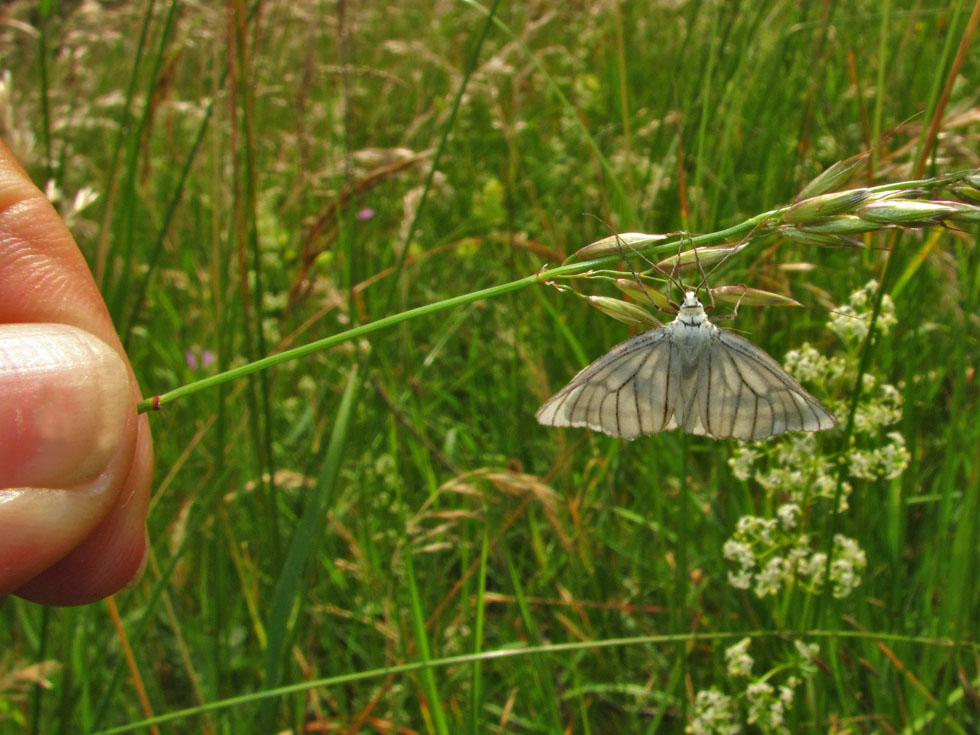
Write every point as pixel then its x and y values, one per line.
pixel 672 279
pixel 706 275
pixel 639 282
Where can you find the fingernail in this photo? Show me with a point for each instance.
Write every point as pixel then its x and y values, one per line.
pixel 64 400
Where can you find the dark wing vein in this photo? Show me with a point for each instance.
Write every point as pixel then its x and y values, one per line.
pixel 641 386
pixel 623 393
pixel 744 393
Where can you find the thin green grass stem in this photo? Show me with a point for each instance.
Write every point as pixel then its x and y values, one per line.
pixel 476 671
pixel 742 230
pixel 681 584
pixel 131 198
pixel 307 539
pixel 138 627
pixel 44 12
pixel 864 365
pixel 42 653
pixel 363 330
pixel 168 218
pixel 520 652
pixel 541 686
pixel 614 180
pixel 432 702
pixel 125 124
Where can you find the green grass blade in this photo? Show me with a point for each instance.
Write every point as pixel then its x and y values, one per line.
pixel 289 588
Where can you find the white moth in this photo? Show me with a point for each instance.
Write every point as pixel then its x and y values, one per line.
pixel 688 375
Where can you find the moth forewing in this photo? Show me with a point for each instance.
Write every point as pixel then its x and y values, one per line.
pixel 687 374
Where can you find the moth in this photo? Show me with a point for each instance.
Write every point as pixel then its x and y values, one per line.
pixel 689 375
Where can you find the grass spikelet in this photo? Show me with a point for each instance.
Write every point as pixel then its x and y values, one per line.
pixel 823 205
pixel 833 177
pixel 624 311
pixel 696 258
pixel 910 211
pixel 744 295
pixel 616 244
pixel 644 295
pixel 841 224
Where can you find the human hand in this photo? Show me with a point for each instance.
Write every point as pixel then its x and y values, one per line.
pixel 75 458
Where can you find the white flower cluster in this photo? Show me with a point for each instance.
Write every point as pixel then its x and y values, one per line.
pixel 889 460
pixel 714 714
pixel 737 658
pixel 881 406
pixel 806 652
pixel 795 470
pixel 769 555
pixel 852 321
pixel 761 704
pixel 848 564
pixel 809 366
pixel 766 708
pixel 792 468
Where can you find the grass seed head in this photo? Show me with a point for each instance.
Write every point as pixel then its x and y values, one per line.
pixel 817 238
pixel 967 193
pixel 751 296
pixel 823 205
pixel 644 295
pixel 624 311
pixel 699 257
pixel 908 211
pixel 841 224
pixel 833 177
pixel 616 244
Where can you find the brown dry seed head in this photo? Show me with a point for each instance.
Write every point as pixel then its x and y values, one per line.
pixel 906 211
pixel 624 311
pixel 824 205
pixel 833 177
pixel 752 296
pixel 617 244
pixel 841 224
pixel 699 257
pixel 644 295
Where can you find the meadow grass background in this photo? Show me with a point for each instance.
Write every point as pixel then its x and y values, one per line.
pixel 272 173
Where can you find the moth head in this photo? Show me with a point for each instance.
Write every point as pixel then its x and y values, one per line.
pixel 691 302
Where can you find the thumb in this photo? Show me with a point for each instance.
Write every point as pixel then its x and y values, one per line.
pixel 66 404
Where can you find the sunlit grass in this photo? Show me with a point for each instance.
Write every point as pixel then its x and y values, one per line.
pixel 283 174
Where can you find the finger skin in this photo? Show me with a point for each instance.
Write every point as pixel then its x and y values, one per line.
pixel 44 278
